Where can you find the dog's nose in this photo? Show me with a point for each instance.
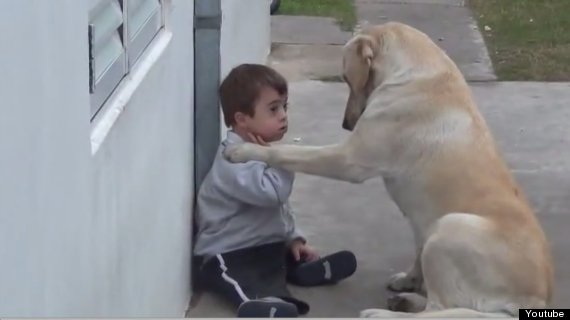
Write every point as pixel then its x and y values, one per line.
pixel 345 125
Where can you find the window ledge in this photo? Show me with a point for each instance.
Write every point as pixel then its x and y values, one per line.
pixel 110 112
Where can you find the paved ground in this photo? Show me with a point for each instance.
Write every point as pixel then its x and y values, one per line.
pixel 529 120
pixel 307 47
pixel 295 30
pixel 448 22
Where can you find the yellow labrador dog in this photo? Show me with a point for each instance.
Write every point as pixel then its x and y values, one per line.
pixel 480 249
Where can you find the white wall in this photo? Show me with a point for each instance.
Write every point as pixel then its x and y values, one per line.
pixel 245 34
pixel 81 234
pixel 143 187
pixel 44 159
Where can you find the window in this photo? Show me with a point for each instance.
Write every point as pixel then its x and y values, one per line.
pixel 119 31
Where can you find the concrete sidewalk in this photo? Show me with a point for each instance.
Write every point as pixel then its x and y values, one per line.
pixel 447 22
pixel 310 47
pixel 530 122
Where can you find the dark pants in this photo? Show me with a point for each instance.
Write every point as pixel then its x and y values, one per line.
pixel 251 273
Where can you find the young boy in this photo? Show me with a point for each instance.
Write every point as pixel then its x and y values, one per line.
pixel 247 237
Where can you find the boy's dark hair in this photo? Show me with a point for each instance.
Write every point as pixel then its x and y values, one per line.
pixel 241 87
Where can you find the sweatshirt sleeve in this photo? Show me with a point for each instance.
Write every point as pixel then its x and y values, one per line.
pixel 296 234
pixel 256 183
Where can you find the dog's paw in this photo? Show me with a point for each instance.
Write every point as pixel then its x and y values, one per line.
pixel 376 313
pixel 407 302
pixel 402 282
pixel 240 153
pixel 397 303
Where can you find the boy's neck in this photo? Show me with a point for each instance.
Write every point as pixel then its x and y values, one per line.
pixel 243 133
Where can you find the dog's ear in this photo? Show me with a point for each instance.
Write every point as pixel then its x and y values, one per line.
pixel 366 48
pixel 359 54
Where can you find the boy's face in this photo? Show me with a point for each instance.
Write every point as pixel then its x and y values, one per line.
pixel 270 117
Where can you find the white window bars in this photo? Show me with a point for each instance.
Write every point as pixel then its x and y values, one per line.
pixel 118 33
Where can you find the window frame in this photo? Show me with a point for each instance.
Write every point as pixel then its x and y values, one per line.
pixel 102 88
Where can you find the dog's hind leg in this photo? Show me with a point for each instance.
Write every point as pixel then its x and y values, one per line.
pixel 465 266
pixel 463 271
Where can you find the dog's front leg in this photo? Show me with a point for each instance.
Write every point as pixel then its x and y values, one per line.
pixel 412 280
pixel 333 161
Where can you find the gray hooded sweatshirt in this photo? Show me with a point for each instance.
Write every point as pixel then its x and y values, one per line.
pixel 241 205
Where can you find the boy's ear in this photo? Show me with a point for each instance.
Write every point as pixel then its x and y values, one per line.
pixel 240 118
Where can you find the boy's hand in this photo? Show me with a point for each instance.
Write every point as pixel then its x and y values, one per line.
pixel 257 139
pixel 301 250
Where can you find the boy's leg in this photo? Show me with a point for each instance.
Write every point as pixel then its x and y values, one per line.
pixel 326 270
pixel 215 277
pixel 272 274
pixel 238 277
